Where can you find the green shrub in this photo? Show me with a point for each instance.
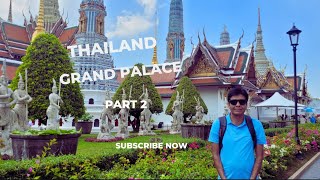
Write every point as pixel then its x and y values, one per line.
pixel 64 167
pixel 167 164
pixel 265 125
pixel 273 131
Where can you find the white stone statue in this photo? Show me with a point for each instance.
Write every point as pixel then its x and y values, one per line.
pixel 123 117
pixel 7 116
pixel 145 116
pixel 177 114
pixel 54 108
pixel 106 120
pixel 22 99
pixel 199 111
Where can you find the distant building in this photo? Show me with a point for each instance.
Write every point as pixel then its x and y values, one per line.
pixel 175 38
pixel 91 30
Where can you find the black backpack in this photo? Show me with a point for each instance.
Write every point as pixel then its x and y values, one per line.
pixel 223 127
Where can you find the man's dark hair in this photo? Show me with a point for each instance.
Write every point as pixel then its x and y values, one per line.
pixel 237 91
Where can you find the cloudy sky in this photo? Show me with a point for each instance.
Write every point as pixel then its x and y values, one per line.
pixel 133 19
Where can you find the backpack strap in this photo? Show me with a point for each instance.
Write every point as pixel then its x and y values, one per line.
pixel 222 130
pixel 251 130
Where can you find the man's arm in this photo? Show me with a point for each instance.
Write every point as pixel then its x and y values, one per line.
pixel 258 162
pixel 217 160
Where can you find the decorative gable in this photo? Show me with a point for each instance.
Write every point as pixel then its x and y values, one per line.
pixel 203 68
pixel 201 64
pixel 270 82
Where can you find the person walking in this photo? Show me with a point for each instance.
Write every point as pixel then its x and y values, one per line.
pixel 237 140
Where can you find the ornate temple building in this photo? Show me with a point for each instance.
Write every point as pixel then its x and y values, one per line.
pixel 271 80
pixel 14 38
pixel 175 38
pixel 91 30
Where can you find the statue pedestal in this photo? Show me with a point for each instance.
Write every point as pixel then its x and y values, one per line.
pixel 105 136
pixel 121 135
pixel 174 132
pixel 145 132
pixel 6 142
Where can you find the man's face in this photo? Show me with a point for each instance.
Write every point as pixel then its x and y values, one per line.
pixel 237 104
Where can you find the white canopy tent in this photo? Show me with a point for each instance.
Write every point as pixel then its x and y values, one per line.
pixel 277 100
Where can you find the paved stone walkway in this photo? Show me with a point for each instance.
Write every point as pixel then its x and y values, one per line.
pixel 313 172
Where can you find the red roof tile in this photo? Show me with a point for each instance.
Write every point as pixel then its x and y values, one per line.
pixel 241 63
pixel 15 32
pixel 291 82
pixel 163 91
pixel 67 34
pixel 206 81
pixel 18 51
pixel 4 54
pixel 224 57
pixel 11 71
pixel 156 78
pixel 234 80
pixel 19 45
pixel 2 46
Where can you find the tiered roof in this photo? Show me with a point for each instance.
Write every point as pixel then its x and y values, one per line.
pixel 14 39
pixel 225 65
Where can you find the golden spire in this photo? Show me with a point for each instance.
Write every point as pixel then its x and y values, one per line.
pixel 155 57
pixel 40 25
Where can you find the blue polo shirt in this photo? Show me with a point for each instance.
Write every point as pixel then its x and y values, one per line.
pixel 237 154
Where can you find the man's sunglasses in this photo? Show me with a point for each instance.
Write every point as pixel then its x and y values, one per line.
pixel 235 102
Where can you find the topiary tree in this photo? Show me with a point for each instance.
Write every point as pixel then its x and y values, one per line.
pixel 190 91
pixel 46 59
pixel 137 83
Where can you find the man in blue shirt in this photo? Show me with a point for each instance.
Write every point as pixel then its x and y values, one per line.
pixel 238 159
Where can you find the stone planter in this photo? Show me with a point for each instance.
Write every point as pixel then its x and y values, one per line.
pixel 201 131
pixel 85 125
pixel 28 146
pixel 277 124
pixel 289 123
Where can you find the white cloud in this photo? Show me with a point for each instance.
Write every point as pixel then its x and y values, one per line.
pixel 19 6
pixel 149 6
pixel 130 24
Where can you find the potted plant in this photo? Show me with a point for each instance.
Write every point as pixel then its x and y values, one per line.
pixel 85 123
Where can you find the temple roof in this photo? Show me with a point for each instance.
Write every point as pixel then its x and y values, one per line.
pixel 219 65
pixel 274 80
pixel 14 39
pixel 67 36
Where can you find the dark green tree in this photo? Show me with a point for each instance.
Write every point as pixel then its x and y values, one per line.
pixel 137 83
pixel 46 59
pixel 189 105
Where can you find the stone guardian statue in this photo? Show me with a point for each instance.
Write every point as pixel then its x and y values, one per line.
pixel 199 111
pixel 145 125
pixel 123 117
pixel 22 99
pixel 7 116
pixel 106 120
pixel 177 114
pixel 54 108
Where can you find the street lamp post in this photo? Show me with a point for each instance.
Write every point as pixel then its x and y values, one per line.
pixel 294 39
